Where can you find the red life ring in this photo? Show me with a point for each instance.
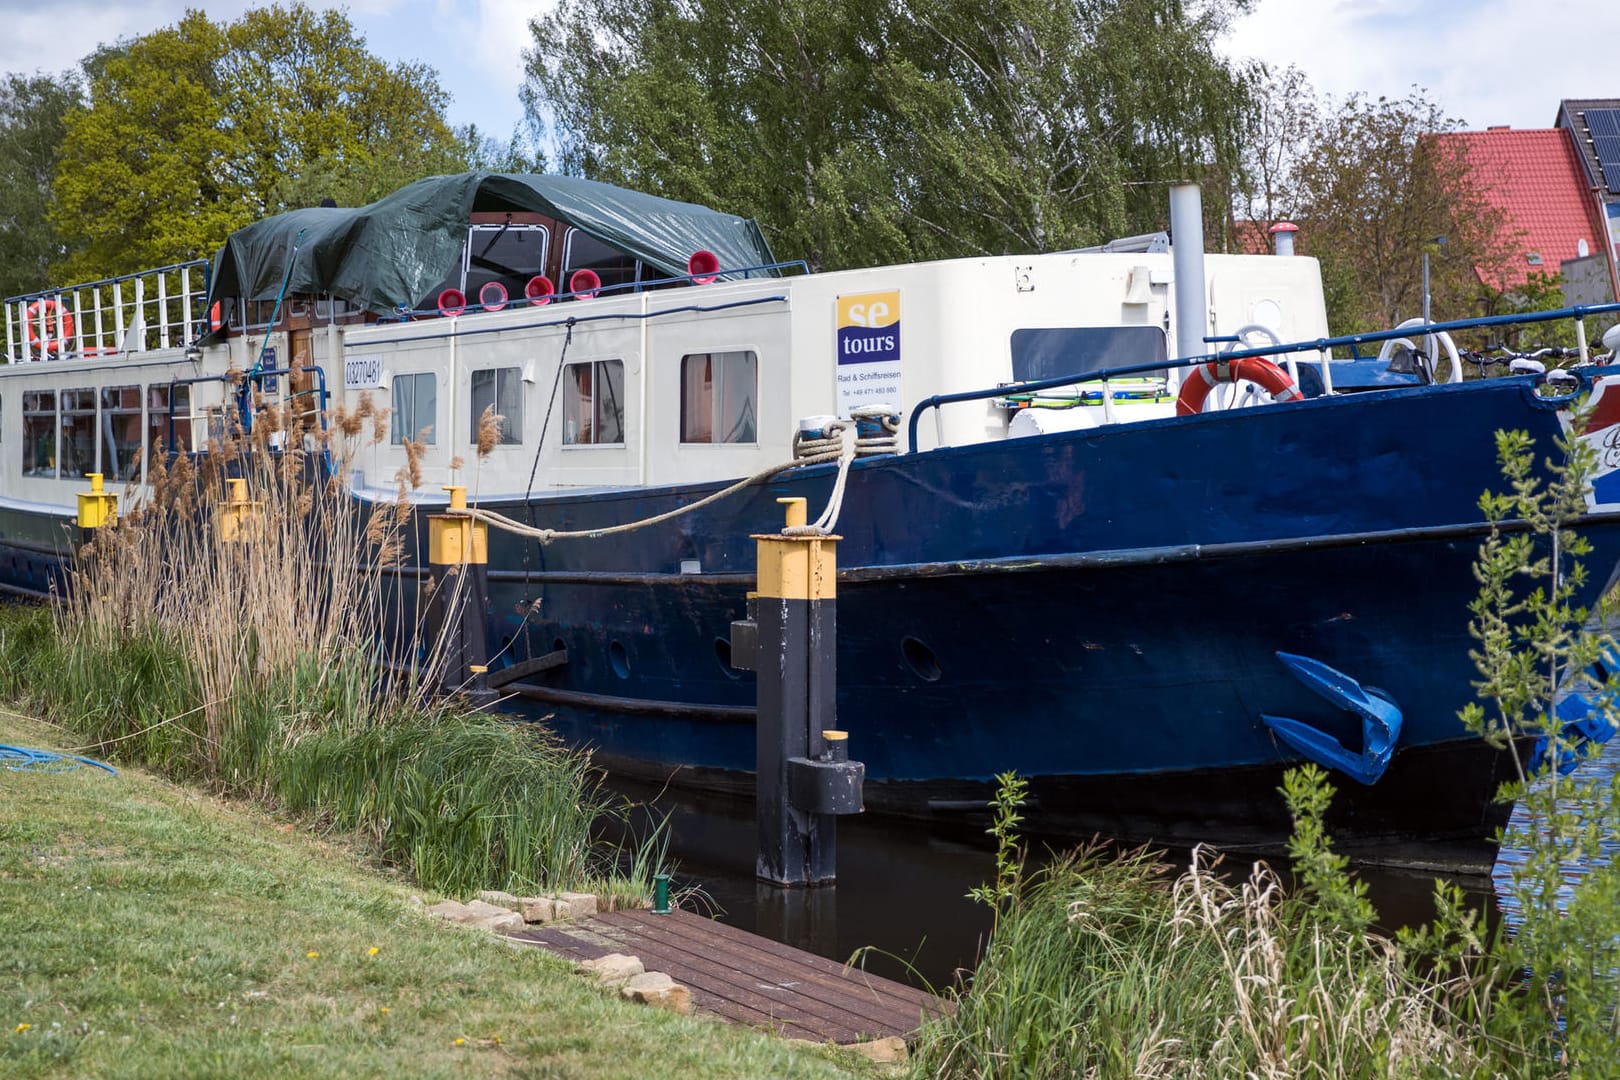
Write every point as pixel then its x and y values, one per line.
pixel 216 317
pixel 1197 384
pixel 48 342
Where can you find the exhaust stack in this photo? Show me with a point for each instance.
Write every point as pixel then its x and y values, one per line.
pixel 1282 238
pixel 1187 254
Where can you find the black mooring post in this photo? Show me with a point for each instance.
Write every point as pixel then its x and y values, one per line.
pixel 803 776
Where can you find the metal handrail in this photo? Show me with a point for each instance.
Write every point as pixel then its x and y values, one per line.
pixel 1319 345
pixel 48 293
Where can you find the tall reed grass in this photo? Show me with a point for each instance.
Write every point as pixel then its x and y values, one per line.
pixel 230 629
pixel 1104 964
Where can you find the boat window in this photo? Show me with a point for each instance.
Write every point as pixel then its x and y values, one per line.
pixel 508 255
pixel 333 308
pixel 1077 350
pixel 717 397
pixel 120 433
pixel 78 433
pixel 157 420
pixel 39 433
pixel 586 252
pixel 593 403
pixel 502 388
pixel 416 405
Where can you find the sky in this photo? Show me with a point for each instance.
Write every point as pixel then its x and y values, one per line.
pixel 1487 62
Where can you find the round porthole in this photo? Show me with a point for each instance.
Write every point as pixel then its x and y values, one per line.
pixel 722 653
pixel 920 659
pixel 619 659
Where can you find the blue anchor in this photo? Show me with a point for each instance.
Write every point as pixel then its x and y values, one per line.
pixel 1583 725
pixel 1380 722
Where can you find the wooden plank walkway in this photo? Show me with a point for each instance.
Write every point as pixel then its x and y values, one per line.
pixel 748 979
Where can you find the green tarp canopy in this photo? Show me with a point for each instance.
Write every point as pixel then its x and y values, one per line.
pixel 400 248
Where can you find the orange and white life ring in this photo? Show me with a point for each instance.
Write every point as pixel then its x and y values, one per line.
pixel 216 317
pixel 1197 384
pixel 46 311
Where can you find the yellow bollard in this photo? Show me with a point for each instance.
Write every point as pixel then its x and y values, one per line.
pixel 98 508
pixel 233 515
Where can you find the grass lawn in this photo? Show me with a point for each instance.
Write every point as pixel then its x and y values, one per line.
pixel 149 931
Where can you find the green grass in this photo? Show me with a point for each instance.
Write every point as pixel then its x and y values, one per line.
pixel 460 800
pixel 149 931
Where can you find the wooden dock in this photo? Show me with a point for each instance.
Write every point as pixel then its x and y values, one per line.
pixel 748 979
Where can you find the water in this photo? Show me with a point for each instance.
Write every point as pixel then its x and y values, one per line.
pixel 902 887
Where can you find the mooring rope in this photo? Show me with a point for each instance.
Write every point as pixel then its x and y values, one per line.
pixel 840 441
pixel 545 536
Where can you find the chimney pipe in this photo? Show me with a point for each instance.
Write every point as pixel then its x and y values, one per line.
pixel 1282 238
pixel 1187 257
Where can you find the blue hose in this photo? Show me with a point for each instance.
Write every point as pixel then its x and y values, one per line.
pixel 22 759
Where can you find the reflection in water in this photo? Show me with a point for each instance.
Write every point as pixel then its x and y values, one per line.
pixel 902 886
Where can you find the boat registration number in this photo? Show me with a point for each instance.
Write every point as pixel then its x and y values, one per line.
pixel 362 372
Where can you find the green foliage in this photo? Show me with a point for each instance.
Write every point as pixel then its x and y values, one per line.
pixel 1540 291
pixel 155 933
pixel 1102 965
pixel 459 801
pixel 861 134
pixel 1374 184
pixel 1558 982
pixel 1328 890
pixel 465 802
pixel 32 119
pixel 1005 819
pixel 199 128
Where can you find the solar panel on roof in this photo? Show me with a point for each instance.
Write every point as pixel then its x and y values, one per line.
pixel 1603 122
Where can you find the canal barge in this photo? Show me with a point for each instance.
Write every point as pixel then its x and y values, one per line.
pixel 1067 550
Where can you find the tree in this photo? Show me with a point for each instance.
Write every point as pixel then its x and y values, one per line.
pixel 1047 126
pixel 1283 124
pixel 861 133
pixel 32 112
pixel 767 108
pixel 199 128
pixel 1375 186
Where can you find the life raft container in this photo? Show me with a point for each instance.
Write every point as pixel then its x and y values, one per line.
pixel 1201 380
pixel 48 342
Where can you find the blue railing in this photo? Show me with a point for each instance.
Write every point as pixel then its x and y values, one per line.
pixel 1320 345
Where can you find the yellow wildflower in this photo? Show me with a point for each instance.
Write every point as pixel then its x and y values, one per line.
pixel 313 955
pixel 460 1041
pixel 373 951
pixel 22 1028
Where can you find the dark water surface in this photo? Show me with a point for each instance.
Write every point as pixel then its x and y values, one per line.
pixel 902 887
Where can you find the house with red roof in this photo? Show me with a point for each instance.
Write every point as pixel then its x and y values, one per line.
pixel 1537 179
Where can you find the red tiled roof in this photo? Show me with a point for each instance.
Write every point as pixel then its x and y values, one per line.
pixel 1536 178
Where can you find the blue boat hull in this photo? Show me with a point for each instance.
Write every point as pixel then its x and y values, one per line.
pixel 1100 611
pixel 1089 609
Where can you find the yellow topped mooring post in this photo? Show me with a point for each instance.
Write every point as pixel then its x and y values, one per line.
pixel 232 516
pixel 458 610
pixel 803 776
pixel 98 508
